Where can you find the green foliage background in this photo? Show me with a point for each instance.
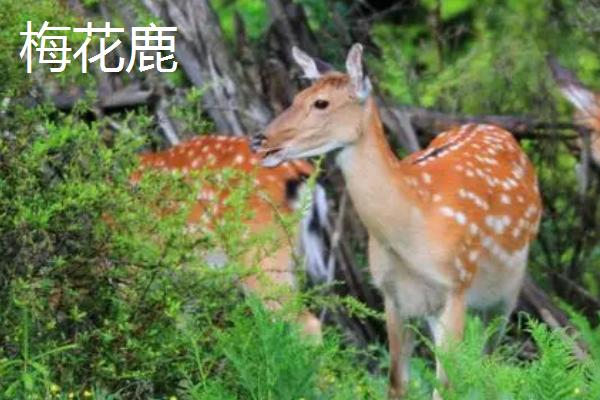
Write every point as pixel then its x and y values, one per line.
pixel 101 300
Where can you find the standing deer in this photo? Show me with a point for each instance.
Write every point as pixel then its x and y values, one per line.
pixel 449 226
pixel 277 190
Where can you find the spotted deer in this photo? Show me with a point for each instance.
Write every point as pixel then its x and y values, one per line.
pixel 449 226
pixel 586 102
pixel 276 190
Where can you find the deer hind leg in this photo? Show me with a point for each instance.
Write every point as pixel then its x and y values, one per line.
pixel 275 284
pixel 502 312
pixel 447 327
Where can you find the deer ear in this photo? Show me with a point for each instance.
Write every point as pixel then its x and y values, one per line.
pixel 307 63
pixel 361 83
pixel 573 90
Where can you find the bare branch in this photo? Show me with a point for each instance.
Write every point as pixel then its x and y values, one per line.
pixel 543 306
pixel 433 121
pixel 165 123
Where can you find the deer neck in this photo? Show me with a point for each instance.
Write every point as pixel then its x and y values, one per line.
pixel 373 176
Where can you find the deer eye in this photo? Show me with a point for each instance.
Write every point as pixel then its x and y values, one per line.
pixel 321 104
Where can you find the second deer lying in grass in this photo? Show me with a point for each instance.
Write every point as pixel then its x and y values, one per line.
pixel 449 226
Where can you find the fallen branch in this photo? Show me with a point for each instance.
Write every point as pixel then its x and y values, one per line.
pixel 129 96
pixel 166 124
pixel 432 121
pixel 536 299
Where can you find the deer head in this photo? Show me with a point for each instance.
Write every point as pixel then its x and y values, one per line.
pixel 586 102
pixel 324 117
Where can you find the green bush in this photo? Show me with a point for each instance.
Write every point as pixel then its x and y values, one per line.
pixel 105 298
pixel 552 372
pixel 101 291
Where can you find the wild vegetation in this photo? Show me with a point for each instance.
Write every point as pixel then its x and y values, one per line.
pixel 103 298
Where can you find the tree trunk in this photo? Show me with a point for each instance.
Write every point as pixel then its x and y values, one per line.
pixel 230 99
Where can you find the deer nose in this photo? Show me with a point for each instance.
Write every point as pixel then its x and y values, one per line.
pixel 257 141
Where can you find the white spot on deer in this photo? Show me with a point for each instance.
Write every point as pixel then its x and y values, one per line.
pixel 196 163
pixel 447 211
pixel 463 274
pixel 476 199
pixel 206 194
pixel 518 172
pixel 426 177
pixel 436 198
pixel 504 198
pixel 461 218
pixel 531 210
pixel 473 254
pixel 490 221
pixel 487 242
pixel 473 228
pixel 238 159
pixel 412 182
pixel 498 224
pixel 458 264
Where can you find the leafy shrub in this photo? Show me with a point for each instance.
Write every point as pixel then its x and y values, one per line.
pixel 102 297
pixel 554 373
pixel 98 291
